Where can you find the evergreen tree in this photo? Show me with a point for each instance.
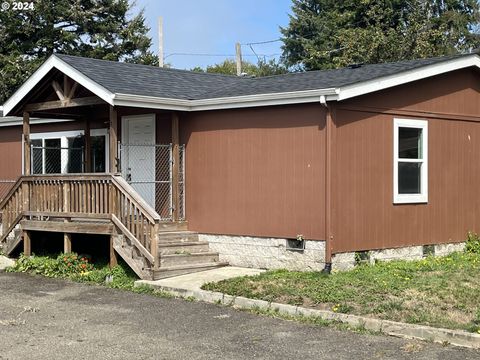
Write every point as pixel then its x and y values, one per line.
pixel 99 29
pixel 229 67
pixel 325 34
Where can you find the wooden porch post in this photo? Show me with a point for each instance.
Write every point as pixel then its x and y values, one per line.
pixel 26 143
pixel 67 243
pixel 27 245
pixel 175 167
pixel 113 140
pixel 113 255
pixel 88 147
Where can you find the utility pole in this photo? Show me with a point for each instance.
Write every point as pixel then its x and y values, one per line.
pixel 238 52
pixel 160 41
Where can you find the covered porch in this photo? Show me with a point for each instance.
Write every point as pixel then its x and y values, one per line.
pixel 102 169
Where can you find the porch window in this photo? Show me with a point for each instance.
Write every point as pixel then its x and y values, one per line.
pixel 57 153
pixel 64 152
pixel 99 150
pixel 410 165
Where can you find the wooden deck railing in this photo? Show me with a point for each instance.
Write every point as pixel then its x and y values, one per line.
pixel 94 196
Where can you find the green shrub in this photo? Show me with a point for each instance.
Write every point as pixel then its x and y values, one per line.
pixel 78 268
pixel 472 244
pixel 65 265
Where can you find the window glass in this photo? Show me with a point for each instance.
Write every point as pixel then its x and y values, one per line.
pixel 409 178
pixel 37 156
pixel 53 156
pixel 98 153
pixel 75 154
pixel 409 143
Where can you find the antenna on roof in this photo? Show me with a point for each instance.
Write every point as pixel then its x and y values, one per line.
pixel 160 41
pixel 238 56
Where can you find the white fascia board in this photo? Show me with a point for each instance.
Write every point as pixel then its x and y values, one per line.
pixel 366 87
pixel 14 121
pixel 294 97
pixel 42 71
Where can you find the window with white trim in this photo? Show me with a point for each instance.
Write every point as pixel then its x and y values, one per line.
pixel 63 152
pixel 410 165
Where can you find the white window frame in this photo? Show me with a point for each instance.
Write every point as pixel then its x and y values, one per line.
pixel 422 197
pixel 104 132
pixel 62 135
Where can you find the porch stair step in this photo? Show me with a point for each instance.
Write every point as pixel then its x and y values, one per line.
pixel 184 247
pixel 187 259
pixel 169 237
pixel 170 271
pixel 174 226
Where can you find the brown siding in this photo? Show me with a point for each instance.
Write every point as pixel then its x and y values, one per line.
pixel 10 153
pixel 256 171
pixel 364 214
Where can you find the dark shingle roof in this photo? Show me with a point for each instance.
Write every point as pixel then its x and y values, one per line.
pixel 126 78
pixel 181 84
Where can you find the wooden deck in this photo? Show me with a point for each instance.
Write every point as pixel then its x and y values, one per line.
pixel 98 204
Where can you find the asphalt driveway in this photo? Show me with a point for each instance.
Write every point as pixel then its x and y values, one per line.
pixel 54 319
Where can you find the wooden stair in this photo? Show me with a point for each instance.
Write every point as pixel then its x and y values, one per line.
pixel 12 241
pixel 179 252
pixel 103 204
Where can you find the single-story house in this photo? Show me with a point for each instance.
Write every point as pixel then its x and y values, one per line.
pixel 186 171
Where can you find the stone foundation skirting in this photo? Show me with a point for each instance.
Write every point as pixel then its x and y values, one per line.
pixel 272 253
pixel 266 253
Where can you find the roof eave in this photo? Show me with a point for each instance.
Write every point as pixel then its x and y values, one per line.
pixel 366 87
pixel 269 99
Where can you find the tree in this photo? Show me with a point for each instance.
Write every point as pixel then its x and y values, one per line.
pixel 99 29
pixel 324 34
pixel 229 67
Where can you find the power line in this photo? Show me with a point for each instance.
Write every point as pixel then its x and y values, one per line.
pixel 261 42
pixel 219 55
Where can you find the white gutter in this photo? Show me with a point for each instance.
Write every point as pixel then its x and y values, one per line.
pixel 293 97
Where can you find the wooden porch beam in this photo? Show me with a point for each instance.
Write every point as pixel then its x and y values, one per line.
pixel 66 85
pixel 26 144
pixel 71 93
pixel 175 167
pixel 58 90
pixel 58 104
pixel 113 128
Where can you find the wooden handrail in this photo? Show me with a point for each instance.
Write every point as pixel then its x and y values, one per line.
pixel 101 196
pixel 136 198
pixel 10 193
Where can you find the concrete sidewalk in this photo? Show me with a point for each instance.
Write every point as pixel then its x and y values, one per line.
pixel 195 281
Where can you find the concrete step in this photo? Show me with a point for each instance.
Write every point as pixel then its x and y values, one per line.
pixel 184 247
pixel 177 236
pixel 185 269
pixel 188 259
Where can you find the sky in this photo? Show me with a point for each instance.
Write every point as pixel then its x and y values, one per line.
pixel 213 27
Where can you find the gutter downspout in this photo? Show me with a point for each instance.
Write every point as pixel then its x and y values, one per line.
pixel 328 185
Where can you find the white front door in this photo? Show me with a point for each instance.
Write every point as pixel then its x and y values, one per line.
pixel 138 154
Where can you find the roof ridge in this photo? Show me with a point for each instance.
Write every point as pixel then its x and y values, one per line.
pixel 59 55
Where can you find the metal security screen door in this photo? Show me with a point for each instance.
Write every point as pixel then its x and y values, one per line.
pixel 138 159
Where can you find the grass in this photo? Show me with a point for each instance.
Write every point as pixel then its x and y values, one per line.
pixel 435 291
